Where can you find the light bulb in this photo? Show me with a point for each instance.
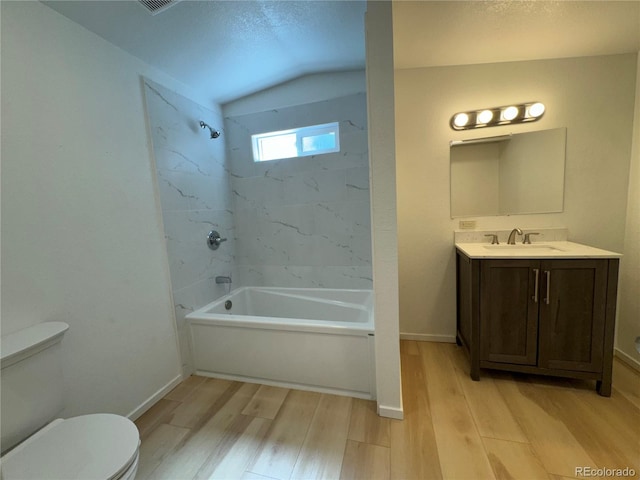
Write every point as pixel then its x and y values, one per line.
pixel 510 113
pixel 460 119
pixel 536 110
pixel 485 116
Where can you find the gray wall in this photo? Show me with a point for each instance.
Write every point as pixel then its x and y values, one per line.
pixel 81 235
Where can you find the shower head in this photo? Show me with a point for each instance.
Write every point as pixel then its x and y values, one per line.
pixel 214 133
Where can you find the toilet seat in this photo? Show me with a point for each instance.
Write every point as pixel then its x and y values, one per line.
pixel 100 446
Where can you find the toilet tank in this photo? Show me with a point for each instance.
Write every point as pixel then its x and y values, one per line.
pixel 31 381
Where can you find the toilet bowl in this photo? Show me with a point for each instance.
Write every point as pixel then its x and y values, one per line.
pixel 99 446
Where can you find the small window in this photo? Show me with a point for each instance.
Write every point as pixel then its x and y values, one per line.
pixel 297 142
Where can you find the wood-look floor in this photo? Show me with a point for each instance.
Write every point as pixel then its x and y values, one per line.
pixel 505 426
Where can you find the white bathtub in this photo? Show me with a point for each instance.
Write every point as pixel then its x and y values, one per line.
pixel 314 339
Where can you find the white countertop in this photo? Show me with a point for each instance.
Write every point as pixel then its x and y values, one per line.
pixel 561 249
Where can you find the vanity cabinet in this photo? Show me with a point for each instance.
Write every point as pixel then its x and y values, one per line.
pixel 545 316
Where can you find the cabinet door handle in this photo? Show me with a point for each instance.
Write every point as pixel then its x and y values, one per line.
pixel 536 271
pixel 548 274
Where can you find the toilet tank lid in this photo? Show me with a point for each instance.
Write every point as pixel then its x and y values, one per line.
pixel 26 342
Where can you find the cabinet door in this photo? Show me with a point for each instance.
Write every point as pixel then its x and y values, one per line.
pixel 508 311
pixel 572 314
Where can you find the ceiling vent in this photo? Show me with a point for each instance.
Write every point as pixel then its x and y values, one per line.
pixel 157 6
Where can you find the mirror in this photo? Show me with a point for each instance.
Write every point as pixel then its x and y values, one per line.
pixel 510 174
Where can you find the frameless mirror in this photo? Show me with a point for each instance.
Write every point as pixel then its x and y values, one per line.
pixel 510 174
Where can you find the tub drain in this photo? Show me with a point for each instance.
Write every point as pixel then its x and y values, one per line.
pixel 228 304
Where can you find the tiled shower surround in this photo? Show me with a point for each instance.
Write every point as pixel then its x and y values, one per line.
pixel 303 222
pixel 194 197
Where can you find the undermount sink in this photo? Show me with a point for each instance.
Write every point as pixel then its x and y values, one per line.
pixel 481 248
pixel 524 247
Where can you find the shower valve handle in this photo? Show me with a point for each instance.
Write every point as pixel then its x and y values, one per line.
pixel 214 240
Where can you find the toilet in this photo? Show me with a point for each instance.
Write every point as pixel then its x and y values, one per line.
pixel 39 445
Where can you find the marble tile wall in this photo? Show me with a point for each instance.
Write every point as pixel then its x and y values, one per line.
pixel 303 222
pixel 195 198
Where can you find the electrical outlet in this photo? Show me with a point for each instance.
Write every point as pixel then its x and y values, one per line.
pixel 467 224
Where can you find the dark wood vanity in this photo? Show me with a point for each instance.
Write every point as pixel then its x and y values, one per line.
pixel 549 316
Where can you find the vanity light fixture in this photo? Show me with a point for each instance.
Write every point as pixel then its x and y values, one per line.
pixel 509 113
pixel 491 117
pixel 460 119
pixel 485 116
pixel 536 110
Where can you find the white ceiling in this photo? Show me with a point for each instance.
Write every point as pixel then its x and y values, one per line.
pixel 229 49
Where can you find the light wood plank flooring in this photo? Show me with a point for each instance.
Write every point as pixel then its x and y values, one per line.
pixel 504 427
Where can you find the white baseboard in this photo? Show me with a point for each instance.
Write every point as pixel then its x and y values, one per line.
pixel 428 337
pixel 628 359
pixel 390 412
pixel 296 386
pixel 153 399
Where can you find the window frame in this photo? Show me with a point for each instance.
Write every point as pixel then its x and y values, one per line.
pixel 301 133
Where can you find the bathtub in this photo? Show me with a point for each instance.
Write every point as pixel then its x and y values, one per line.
pixel 306 338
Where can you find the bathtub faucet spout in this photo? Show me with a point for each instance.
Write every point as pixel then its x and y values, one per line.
pixel 222 279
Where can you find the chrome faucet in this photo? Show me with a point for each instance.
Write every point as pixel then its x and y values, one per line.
pixel 222 279
pixel 512 236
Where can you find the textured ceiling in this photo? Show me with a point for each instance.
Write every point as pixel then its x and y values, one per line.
pixel 428 33
pixel 228 49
